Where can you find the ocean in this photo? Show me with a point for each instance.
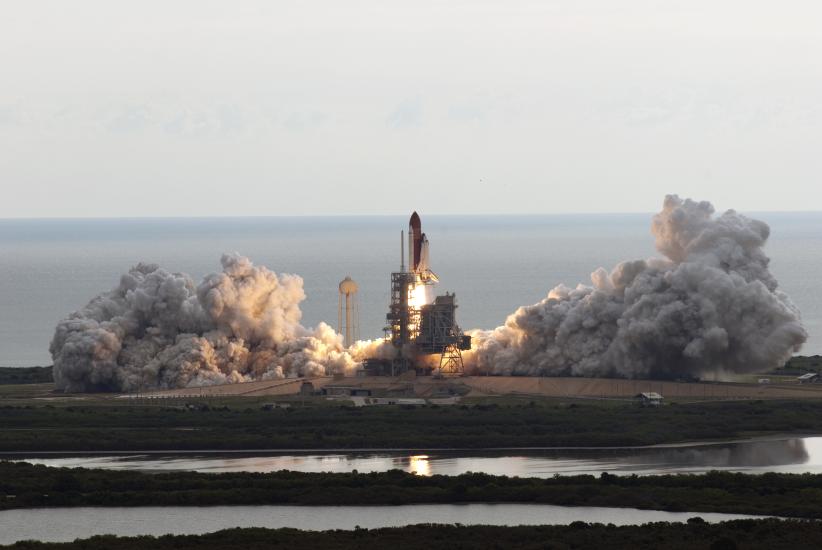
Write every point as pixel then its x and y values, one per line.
pixel 494 264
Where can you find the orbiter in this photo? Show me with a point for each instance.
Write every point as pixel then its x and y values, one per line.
pixel 418 259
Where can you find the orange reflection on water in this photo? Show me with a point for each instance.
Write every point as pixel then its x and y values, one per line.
pixel 419 465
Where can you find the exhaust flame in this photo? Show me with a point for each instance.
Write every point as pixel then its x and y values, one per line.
pixel 419 295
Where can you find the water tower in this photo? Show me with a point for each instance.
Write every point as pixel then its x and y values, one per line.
pixel 347 311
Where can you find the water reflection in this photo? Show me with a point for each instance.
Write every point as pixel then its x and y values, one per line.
pixel 779 455
pixel 418 464
pixel 753 455
pixel 67 524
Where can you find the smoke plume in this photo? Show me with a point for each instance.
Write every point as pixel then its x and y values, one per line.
pixel 157 330
pixel 710 305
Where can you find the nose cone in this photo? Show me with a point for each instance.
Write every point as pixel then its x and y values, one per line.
pixel 414 223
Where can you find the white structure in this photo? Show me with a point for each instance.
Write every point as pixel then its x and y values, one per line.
pixel 347 312
pixel 649 398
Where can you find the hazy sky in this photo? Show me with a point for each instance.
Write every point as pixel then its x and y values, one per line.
pixel 190 108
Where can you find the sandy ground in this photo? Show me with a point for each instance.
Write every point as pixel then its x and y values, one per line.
pixel 248 389
pixel 506 385
pixel 606 387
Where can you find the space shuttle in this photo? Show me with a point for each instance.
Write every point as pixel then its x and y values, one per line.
pixel 418 258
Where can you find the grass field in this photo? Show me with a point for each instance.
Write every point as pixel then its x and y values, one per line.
pixel 241 423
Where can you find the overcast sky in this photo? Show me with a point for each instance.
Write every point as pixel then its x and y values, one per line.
pixel 199 108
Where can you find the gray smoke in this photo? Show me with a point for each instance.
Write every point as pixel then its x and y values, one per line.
pixel 710 305
pixel 157 330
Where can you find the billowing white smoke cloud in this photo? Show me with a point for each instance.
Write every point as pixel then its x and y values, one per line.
pixel 156 330
pixel 711 305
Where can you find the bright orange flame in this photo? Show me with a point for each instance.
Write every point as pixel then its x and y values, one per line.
pixel 417 296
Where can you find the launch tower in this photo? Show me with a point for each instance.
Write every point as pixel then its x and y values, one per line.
pixel 416 324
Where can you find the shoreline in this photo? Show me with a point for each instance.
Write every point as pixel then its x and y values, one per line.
pixel 763 533
pixel 344 450
pixel 39 486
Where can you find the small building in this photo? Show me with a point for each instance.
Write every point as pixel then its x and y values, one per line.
pixel 307 388
pixel 809 378
pixel 649 399
pixel 360 401
pixel 333 390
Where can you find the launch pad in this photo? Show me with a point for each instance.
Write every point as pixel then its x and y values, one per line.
pixel 419 327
